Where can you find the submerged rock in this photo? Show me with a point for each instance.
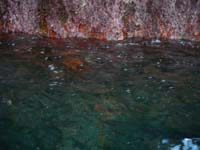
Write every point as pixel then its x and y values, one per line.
pixel 74 64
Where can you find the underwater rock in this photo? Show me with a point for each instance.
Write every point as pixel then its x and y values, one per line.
pixel 103 19
pixel 90 87
pixel 74 64
pixel 69 52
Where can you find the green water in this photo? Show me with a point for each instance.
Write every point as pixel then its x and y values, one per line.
pixel 97 95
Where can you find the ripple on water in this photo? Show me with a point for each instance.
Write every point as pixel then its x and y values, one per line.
pixel 94 95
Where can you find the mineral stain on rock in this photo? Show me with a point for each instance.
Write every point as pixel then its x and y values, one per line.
pixel 103 19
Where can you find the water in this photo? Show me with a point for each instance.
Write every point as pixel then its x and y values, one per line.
pixel 97 95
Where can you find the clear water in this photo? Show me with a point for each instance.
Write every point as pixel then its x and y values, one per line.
pixel 98 95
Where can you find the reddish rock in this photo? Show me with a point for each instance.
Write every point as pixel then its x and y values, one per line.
pixel 103 19
pixel 74 64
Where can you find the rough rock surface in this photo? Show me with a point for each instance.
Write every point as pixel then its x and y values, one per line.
pixel 103 19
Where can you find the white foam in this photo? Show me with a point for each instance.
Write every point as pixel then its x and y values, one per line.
pixel 156 41
pixel 177 147
pixel 51 67
pixel 189 145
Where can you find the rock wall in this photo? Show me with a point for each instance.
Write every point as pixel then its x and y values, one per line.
pixel 103 19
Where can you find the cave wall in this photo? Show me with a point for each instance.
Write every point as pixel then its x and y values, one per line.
pixel 103 19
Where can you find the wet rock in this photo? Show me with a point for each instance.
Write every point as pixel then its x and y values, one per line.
pixel 100 19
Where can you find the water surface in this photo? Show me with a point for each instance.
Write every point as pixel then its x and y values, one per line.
pixel 77 94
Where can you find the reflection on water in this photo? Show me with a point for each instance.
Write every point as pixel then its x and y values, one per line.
pixel 96 95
